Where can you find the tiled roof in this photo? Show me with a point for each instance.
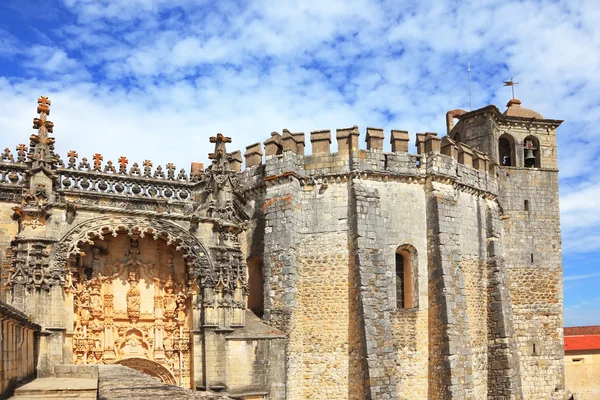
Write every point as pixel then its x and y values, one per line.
pixel 515 110
pixel 582 342
pixel 582 330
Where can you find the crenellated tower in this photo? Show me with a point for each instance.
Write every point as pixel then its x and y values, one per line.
pixel 522 147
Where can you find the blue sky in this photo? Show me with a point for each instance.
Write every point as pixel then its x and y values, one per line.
pixel 152 79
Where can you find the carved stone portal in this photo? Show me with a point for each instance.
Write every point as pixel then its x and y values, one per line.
pixel 132 306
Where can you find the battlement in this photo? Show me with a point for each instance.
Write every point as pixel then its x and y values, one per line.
pixel 278 155
pixel 284 154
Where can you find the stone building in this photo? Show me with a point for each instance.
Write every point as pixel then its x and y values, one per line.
pixel 582 362
pixel 359 274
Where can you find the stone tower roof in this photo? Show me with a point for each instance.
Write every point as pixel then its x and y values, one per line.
pixel 515 110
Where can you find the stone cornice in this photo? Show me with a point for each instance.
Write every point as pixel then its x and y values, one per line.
pixel 499 117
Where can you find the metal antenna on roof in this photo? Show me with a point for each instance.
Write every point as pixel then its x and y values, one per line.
pixel 512 84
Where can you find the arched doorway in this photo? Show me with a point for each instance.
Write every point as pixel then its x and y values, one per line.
pixel 131 288
pixel 151 368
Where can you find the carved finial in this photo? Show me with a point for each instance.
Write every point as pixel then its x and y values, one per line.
pixel 84 164
pixel 97 161
pixel 171 171
pixel 219 142
pixel 147 168
pixel 123 161
pixel 6 156
pixel 135 169
pixel 159 172
pixel 72 159
pixel 44 105
pixel 41 148
pixel 109 167
pixel 21 153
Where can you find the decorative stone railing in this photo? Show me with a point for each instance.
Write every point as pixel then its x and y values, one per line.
pixel 126 185
pixel 12 173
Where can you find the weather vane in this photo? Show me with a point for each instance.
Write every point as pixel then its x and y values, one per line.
pixel 512 84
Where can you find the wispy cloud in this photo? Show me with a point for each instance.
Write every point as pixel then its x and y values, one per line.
pixel 580 277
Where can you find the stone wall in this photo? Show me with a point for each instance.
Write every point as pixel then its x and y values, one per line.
pixel 404 221
pixel 19 348
pixel 533 256
pixel 582 374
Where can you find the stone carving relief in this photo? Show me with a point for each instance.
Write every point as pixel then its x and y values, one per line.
pixel 131 302
pixel 34 210
pixel 29 265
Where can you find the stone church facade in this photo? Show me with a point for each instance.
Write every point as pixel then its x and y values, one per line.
pixel 356 274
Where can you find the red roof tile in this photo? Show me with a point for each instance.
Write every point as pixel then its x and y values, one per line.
pixel 582 330
pixel 582 342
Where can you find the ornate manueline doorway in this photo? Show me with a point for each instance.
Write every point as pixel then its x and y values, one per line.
pixel 132 305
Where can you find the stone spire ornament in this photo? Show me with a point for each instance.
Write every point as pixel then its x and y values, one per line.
pixel 41 149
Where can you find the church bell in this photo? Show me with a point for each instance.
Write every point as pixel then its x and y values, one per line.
pixel 529 155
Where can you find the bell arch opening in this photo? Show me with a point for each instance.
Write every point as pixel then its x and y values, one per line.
pixel 506 151
pixel 531 152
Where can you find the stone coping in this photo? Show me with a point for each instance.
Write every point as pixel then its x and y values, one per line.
pixel 9 312
pixel 120 382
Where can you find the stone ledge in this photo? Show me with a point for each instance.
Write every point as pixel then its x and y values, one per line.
pixel 119 382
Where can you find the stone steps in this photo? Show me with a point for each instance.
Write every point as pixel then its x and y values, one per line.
pixel 58 388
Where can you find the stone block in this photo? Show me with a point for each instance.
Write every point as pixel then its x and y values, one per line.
pixel 374 139
pixel 273 145
pixel 347 139
pixel 253 155
pixel 320 141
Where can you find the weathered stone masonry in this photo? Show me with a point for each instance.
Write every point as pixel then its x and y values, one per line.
pixel 370 274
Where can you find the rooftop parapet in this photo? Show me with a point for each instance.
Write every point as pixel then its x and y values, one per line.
pixel 374 139
pixel 465 154
pixel 235 160
pixel 320 141
pixel 432 142
pixel 449 147
pixel 293 142
pixel 347 139
pixel 399 141
pixel 480 160
pixel 253 155
pixel 273 145
pixel 427 142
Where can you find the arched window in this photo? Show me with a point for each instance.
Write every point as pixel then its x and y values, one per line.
pixel 406 272
pixel 400 280
pixel 458 137
pixel 531 152
pixel 255 285
pixel 506 151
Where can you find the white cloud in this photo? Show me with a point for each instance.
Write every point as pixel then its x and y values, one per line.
pixel 166 75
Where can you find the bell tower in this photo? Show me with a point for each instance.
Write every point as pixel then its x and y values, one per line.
pixel 523 151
